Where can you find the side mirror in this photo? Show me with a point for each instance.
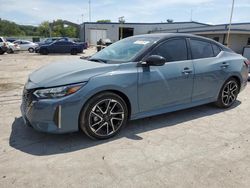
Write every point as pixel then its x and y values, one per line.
pixel 155 60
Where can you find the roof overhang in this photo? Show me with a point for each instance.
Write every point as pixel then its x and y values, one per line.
pixel 220 32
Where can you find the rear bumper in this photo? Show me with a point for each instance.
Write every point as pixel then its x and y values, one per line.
pixel 243 86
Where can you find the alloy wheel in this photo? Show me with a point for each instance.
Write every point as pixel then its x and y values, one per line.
pixel 106 117
pixel 229 93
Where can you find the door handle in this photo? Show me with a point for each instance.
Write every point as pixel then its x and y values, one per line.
pixel 224 65
pixel 187 71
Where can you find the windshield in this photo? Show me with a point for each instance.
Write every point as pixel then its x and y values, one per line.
pixel 124 50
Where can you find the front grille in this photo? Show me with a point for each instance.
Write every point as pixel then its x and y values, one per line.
pixel 27 99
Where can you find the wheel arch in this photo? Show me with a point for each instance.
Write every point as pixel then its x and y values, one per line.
pixel 117 92
pixel 237 79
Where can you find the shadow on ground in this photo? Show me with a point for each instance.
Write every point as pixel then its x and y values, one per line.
pixel 28 140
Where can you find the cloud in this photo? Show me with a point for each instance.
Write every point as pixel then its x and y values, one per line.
pixel 36 11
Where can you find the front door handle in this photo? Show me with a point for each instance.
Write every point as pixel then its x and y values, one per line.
pixel 224 65
pixel 187 71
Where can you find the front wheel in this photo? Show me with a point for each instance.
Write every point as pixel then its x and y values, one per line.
pixel 31 50
pixel 103 116
pixel 228 93
pixel 10 51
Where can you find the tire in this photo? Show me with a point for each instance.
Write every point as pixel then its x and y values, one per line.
pixel 44 51
pixel 31 50
pixel 1 51
pixel 228 93
pixel 73 51
pixel 10 51
pixel 103 116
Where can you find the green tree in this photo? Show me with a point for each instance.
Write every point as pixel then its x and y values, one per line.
pixel 43 29
pixel 8 28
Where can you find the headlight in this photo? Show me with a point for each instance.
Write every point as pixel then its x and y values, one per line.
pixel 58 92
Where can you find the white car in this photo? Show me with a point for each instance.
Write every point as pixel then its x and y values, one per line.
pixel 3 46
pixel 3 41
pixel 26 45
pixel 12 47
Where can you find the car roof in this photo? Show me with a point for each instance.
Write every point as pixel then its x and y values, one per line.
pixel 170 35
pixel 163 36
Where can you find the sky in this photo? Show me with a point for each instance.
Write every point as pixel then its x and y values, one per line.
pixel 33 12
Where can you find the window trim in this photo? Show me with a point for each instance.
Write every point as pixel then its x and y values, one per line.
pixel 217 47
pixel 167 40
pixel 202 40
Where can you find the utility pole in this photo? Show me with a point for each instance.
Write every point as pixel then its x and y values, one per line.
pixel 50 29
pixel 121 21
pixel 82 17
pixel 230 23
pixel 89 10
pixel 191 15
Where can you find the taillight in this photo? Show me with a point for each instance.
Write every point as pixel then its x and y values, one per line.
pixel 247 63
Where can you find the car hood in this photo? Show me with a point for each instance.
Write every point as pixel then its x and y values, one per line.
pixel 65 72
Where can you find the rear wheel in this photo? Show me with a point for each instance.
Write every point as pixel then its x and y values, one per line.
pixel 103 116
pixel 228 93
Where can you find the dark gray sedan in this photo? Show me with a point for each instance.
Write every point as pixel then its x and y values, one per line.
pixel 133 78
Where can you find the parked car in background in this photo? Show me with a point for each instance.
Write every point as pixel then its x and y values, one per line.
pixel 48 40
pixel 2 41
pixel 26 45
pixel 11 39
pixel 53 39
pixel 12 48
pixel 3 49
pixel 103 43
pixel 3 45
pixel 61 47
pixel 246 54
pixel 136 77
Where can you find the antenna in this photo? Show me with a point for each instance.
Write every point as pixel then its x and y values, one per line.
pixel 191 15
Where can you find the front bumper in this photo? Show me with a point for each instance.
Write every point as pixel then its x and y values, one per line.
pixel 51 115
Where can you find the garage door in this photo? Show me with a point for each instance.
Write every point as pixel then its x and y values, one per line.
pixel 97 34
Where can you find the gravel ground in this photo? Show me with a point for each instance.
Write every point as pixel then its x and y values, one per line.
pixel 198 147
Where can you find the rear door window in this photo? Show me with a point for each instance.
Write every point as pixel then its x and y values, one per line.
pixel 59 43
pixel 172 50
pixel 201 49
pixel 216 49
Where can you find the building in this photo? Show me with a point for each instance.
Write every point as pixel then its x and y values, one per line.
pixel 91 32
